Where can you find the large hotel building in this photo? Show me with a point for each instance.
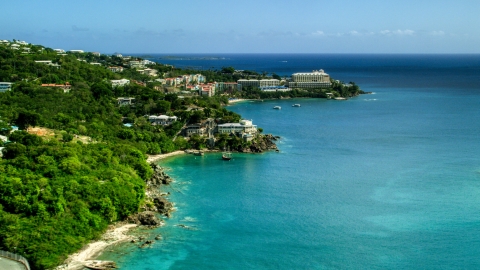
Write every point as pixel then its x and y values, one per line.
pixel 314 79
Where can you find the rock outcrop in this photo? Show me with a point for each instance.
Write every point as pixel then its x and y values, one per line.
pixel 147 218
pixel 163 206
pixel 260 144
pixel 159 177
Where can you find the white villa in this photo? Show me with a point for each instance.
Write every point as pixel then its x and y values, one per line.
pixel 121 82
pixel 244 127
pixel 163 120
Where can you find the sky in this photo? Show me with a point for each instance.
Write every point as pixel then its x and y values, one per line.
pixel 248 26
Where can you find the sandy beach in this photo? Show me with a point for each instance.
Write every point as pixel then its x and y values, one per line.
pixel 153 158
pixel 231 101
pixel 114 235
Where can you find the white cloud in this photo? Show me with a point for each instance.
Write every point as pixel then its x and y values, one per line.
pixel 398 32
pixel 318 33
pixel 355 33
pixel 437 33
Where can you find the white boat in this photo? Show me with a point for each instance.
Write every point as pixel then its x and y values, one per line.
pixel 277 108
pixel 227 155
pixel 296 105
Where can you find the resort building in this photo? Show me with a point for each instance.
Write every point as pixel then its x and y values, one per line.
pixel 59 50
pixel 227 86
pixel 275 89
pixel 76 51
pixel 314 79
pixel 257 83
pixel 5 86
pixel 121 82
pixel 244 127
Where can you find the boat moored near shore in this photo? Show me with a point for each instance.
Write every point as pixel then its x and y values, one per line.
pixel 277 108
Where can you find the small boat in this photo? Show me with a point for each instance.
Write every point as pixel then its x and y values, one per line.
pixel 198 153
pixel 227 155
pixel 277 108
pixel 296 105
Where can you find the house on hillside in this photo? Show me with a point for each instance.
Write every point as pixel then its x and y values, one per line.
pixel 125 101
pixel 5 86
pixel 121 82
pixel 116 69
pixel 48 63
pixel 163 120
pixel 65 87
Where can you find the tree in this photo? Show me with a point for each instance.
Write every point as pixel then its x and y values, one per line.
pixel 26 119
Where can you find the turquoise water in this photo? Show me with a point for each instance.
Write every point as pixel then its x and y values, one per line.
pixel 389 180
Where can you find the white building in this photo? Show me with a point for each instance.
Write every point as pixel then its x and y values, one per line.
pixel 314 79
pixel 275 89
pixel 59 50
pixel 136 64
pixel 244 127
pixel 116 69
pixel 76 51
pixel 48 63
pixel 258 83
pixel 121 82
pixel 5 86
pixel 162 119
pixel 124 101
pixel 147 62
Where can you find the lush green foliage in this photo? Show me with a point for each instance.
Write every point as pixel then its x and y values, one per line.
pixel 56 196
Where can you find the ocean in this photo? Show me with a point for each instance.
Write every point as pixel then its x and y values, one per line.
pixel 388 180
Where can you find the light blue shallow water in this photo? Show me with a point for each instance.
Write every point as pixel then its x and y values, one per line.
pixel 383 181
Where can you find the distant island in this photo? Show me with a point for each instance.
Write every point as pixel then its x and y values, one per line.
pixel 77 127
pixel 171 57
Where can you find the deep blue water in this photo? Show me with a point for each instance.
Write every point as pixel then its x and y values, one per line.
pixel 389 180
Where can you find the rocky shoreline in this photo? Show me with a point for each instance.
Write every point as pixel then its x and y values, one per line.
pixel 261 144
pixel 150 215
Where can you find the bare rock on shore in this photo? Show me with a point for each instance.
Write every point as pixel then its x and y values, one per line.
pixel 260 144
pixel 147 218
pixel 159 177
pixel 164 207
